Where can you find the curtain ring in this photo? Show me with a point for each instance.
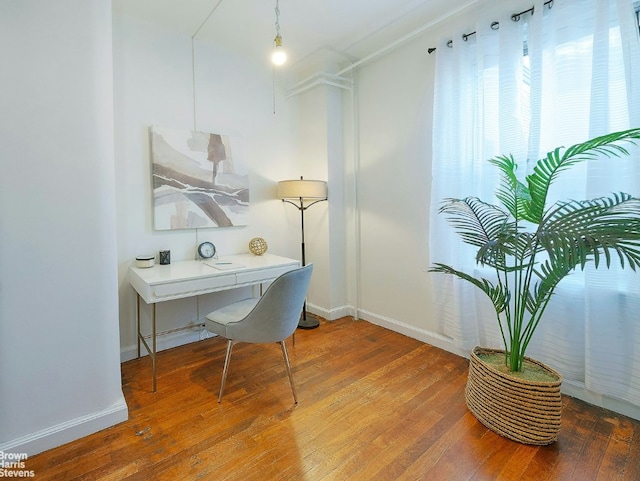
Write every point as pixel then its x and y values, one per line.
pixel 495 25
pixel 450 43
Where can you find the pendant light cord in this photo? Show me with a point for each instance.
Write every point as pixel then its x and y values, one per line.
pixel 193 59
pixel 273 78
pixel 277 19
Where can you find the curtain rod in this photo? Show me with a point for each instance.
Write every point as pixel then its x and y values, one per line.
pixel 496 25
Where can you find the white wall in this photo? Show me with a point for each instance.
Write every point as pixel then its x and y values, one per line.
pixel 394 99
pixel 322 156
pixel 234 95
pixel 59 356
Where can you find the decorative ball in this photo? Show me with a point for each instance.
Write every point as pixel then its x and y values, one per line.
pixel 258 246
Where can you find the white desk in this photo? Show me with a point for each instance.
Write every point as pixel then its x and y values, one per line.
pixel 193 278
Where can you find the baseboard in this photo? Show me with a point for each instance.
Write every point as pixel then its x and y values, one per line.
pixel 331 314
pixel 68 431
pixel 429 337
pixel 167 341
pixel 579 390
pixel 414 332
pixel 196 333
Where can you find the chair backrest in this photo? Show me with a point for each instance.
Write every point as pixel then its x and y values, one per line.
pixel 277 313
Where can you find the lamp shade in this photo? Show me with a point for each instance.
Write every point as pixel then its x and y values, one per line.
pixel 302 189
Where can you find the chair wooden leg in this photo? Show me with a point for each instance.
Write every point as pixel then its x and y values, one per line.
pixel 286 360
pixel 227 358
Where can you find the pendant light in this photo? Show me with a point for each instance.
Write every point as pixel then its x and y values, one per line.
pixel 279 56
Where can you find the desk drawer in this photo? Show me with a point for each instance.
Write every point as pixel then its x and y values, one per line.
pixel 263 274
pixel 193 286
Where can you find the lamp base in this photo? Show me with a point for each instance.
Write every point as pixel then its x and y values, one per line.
pixel 308 322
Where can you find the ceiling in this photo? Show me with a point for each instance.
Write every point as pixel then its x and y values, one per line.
pixel 348 28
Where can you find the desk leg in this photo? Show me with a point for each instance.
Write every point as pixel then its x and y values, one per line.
pixel 138 321
pixel 152 350
pixel 153 358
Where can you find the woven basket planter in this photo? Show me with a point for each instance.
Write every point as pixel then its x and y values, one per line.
pixel 524 411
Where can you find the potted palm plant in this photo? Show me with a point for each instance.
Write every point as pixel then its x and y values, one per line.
pixel 532 246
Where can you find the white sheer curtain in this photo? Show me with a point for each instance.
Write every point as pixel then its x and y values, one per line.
pixel 578 80
pixel 477 114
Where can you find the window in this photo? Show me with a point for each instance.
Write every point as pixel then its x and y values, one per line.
pixel 577 77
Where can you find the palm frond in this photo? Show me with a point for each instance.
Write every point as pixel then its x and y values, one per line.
pixel 513 194
pixel 476 222
pixel 550 275
pixel 497 294
pixel 531 301
pixel 548 168
pixel 575 232
pixel 511 243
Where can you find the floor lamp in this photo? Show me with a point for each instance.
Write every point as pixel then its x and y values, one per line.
pixel 296 193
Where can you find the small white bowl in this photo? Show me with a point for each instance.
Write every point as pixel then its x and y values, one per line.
pixel 145 261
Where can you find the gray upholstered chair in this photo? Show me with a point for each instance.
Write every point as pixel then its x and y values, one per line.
pixel 270 318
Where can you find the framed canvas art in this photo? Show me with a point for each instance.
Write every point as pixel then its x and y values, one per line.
pixel 199 180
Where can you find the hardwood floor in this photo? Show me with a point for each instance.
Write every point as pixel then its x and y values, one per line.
pixel 373 405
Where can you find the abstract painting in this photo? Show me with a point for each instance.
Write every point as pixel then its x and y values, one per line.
pixel 199 180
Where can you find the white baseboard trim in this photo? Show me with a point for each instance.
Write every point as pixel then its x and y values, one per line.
pixel 579 390
pixel 432 338
pixel 331 314
pixel 167 341
pixel 68 431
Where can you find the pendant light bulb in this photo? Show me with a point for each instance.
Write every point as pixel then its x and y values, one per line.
pixel 279 56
